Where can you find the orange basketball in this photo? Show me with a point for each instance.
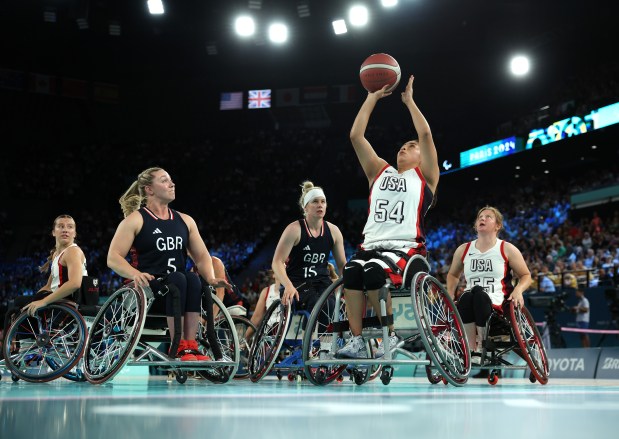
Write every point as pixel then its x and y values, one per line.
pixel 379 70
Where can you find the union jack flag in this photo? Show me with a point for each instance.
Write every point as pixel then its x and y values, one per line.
pixel 259 99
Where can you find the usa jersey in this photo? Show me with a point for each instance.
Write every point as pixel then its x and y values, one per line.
pixel 161 245
pixel 398 205
pixel 309 258
pixel 60 273
pixel 489 270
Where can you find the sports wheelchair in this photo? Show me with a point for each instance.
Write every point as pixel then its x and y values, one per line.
pixel 511 329
pixel 118 337
pixel 436 322
pixel 50 344
pixel 277 343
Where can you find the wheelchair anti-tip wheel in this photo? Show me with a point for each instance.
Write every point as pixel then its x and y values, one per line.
pixel 226 337
pixel 269 339
pixel 45 346
pixel 530 342
pixel 321 338
pixel 441 329
pixel 114 334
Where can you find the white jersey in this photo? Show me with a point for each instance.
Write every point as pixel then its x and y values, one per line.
pixel 398 204
pixel 489 269
pixel 60 274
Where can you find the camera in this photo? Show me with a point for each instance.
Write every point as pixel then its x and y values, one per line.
pixel 552 303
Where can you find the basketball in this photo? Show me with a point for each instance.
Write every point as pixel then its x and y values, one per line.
pixel 379 70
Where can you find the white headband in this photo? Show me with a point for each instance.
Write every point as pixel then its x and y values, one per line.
pixel 314 193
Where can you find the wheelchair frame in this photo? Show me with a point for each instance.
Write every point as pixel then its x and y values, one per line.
pixel 439 327
pixel 116 334
pixel 524 340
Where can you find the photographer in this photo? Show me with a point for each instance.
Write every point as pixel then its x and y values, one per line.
pixel 582 316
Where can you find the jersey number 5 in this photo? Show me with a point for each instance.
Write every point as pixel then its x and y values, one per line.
pixel 384 213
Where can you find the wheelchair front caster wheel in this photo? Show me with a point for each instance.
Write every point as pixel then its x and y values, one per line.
pixel 15 378
pixel 181 377
pixel 532 377
pixel 493 378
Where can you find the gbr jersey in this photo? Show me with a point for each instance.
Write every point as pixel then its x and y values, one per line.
pixel 309 258
pixel 161 245
pixel 398 205
pixel 489 269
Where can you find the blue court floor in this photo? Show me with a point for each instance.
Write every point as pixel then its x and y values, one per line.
pixel 153 408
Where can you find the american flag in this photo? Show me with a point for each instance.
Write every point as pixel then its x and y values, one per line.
pixel 259 99
pixel 231 101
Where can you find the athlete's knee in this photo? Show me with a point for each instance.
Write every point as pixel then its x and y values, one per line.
pixel 353 276
pixel 373 276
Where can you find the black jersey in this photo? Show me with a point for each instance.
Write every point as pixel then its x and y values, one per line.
pixel 161 246
pixel 309 258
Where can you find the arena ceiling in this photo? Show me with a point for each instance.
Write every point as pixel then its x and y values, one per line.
pixel 458 50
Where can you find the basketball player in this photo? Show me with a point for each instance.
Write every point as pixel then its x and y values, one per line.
pixel 159 240
pixel 394 231
pixel 66 264
pixel 487 263
pixel 301 258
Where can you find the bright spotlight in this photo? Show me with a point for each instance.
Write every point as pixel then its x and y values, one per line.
pixel 245 26
pixel 519 65
pixel 389 3
pixel 155 7
pixel 339 27
pixel 278 33
pixel 358 15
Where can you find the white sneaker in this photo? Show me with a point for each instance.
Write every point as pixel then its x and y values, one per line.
pixel 355 348
pixel 393 341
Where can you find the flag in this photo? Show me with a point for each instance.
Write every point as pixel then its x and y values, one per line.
pixel 259 99
pixel 315 94
pixel 107 93
pixel 231 100
pixel 42 84
pixel 287 97
pixel 11 79
pixel 74 88
pixel 342 94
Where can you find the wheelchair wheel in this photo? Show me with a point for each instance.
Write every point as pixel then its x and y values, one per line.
pixel 530 342
pixel 242 324
pixel 114 334
pixel 268 340
pixel 45 346
pixel 321 340
pixel 227 341
pixel 441 329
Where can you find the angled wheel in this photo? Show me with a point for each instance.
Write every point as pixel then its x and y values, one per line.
pixel 226 337
pixel 441 329
pixel 268 340
pixel 530 342
pixel 45 346
pixel 322 338
pixel 114 334
pixel 242 324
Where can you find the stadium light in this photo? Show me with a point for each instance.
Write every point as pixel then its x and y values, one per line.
pixel 278 33
pixel 389 3
pixel 245 26
pixel 155 7
pixel 358 15
pixel 519 65
pixel 339 27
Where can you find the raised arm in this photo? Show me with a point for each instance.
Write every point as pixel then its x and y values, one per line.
pixel 429 158
pixel 369 160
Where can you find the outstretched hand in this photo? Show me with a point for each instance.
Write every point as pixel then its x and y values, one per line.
pixel 407 94
pixel 219 283
pixel 379 94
